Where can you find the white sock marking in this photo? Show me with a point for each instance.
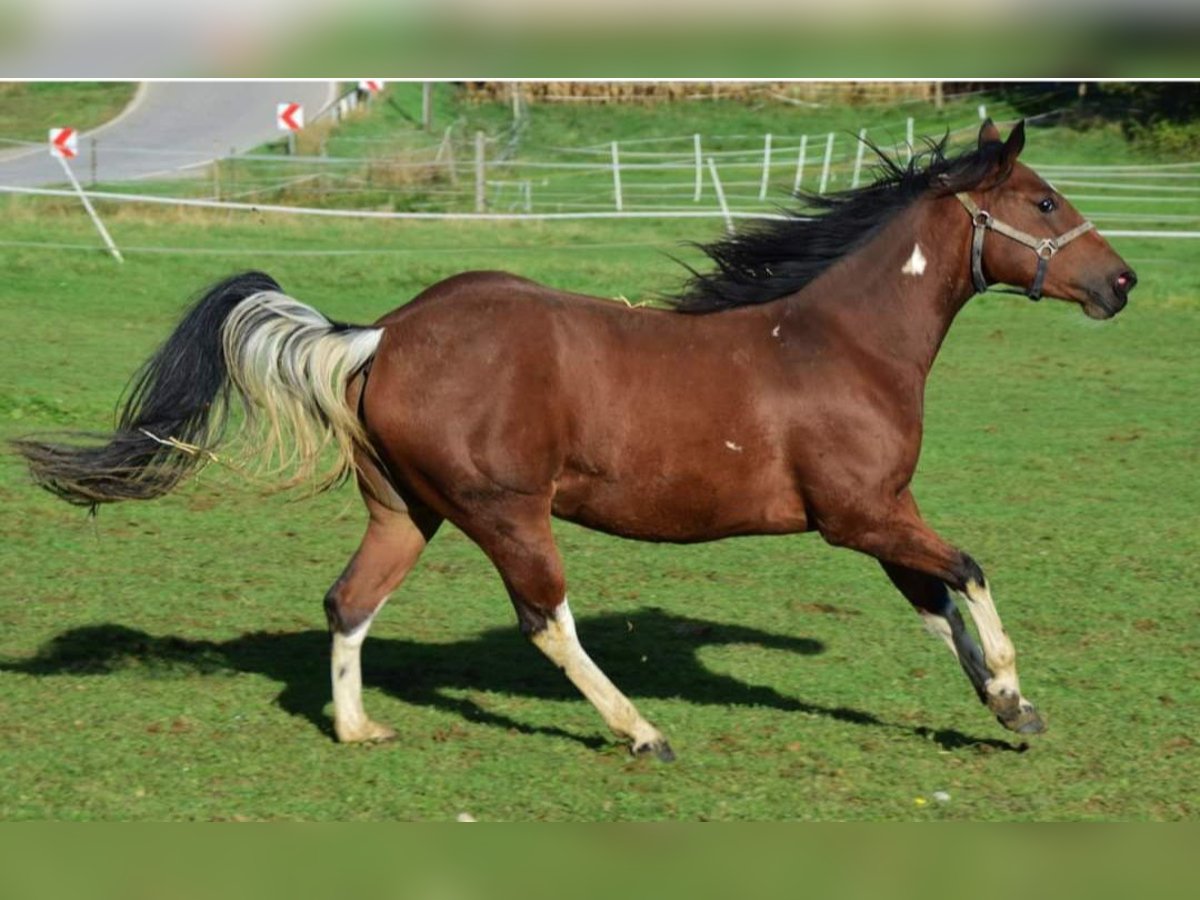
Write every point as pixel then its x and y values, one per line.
pixel 560 643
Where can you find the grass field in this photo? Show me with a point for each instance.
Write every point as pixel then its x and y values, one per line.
pixel 29 109
pixel 169 660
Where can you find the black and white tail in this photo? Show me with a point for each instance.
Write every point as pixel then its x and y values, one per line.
pixel 287 363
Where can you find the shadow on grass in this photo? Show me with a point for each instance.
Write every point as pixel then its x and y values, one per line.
pixel 650 653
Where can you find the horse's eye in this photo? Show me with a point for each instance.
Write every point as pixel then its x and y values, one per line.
pixel 1047 205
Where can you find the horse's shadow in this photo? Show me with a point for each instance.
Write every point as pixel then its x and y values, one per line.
pixel 651 653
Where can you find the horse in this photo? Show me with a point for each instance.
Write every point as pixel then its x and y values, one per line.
pixel 781 392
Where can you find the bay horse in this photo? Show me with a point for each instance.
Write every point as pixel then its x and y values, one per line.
pixel 782 392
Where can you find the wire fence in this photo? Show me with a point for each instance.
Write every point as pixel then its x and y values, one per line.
pixel 459 175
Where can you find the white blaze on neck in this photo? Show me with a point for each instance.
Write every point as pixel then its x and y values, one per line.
pixel 916 262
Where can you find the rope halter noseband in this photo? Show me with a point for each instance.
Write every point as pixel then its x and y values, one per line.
pixel 1045 248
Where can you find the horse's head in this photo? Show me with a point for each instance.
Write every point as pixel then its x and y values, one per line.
pixel 1038 240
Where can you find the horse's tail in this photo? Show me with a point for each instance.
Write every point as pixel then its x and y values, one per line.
pixel 287 363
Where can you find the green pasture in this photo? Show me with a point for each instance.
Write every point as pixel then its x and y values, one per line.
pixel 28 110
pixel 168 660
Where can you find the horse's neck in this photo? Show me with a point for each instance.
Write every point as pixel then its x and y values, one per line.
pixel 898 295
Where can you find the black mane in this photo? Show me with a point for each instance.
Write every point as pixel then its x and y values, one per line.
pixel 772 259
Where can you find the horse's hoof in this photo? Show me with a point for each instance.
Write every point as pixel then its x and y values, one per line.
pixel 368 732
pixel 658 747
pixel 1015 713
pixel 1025 720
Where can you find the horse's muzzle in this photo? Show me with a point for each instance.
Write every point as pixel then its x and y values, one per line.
pixel 1111 299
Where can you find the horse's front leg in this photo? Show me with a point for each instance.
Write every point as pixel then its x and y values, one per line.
pixel 896 535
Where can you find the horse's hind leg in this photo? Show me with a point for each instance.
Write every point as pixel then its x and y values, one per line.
pixel 390 548
pixel 932 601
pixel 523 550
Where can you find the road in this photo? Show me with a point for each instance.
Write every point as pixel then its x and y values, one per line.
pixel 173 125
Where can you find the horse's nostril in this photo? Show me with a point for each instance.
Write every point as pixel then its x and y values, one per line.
pixel 1126 280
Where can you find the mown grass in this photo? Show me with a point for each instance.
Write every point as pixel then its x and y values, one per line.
pixel 28 110
pixel 168 660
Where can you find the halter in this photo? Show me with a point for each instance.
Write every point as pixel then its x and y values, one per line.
pixel 1045 248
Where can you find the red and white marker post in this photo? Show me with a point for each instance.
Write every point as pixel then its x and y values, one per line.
pixel 64 145
pixel 371 85
pixel 289 117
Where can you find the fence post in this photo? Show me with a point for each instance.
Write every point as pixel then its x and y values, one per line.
pixel 426 105
pixel 92 148
pixel 216 172
pixel 766 172
pixel 939 95
pixel 908 139
pixel 699 169
pixel 800 164
pixel 447 148
pixel 828 160
pixel 982 112
pixel 516 101
pixel 480 184
pixel 712 169
pixel 616 172
pixel 858 155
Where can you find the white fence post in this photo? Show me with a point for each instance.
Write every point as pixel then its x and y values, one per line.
pixel 908 140
pixel 445 152
pixel 825 167
pixel 766 173
pixel 982 112
pixel 616 173
pixel 858 155
pixel 480 184
pixel 426 105
pixel 87 204
pixel 712 168
pixel 800 164
pixel 699 169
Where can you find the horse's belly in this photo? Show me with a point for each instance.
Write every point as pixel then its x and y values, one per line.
pixel 678 509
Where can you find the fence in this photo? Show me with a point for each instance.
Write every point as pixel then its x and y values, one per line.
pixel 470 175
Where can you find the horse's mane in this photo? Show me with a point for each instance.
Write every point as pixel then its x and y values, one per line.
pixel 774 258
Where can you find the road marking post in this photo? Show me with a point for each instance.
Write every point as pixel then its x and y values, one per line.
pixel 87 204
pixel 289 117
pixel 64 143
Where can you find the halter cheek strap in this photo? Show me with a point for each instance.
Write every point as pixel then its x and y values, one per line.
pixel 1045 248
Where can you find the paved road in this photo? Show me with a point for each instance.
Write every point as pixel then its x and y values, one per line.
pixel 171 126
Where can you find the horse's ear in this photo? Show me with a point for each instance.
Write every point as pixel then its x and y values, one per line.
pixel 1014 144
pixel 988 133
